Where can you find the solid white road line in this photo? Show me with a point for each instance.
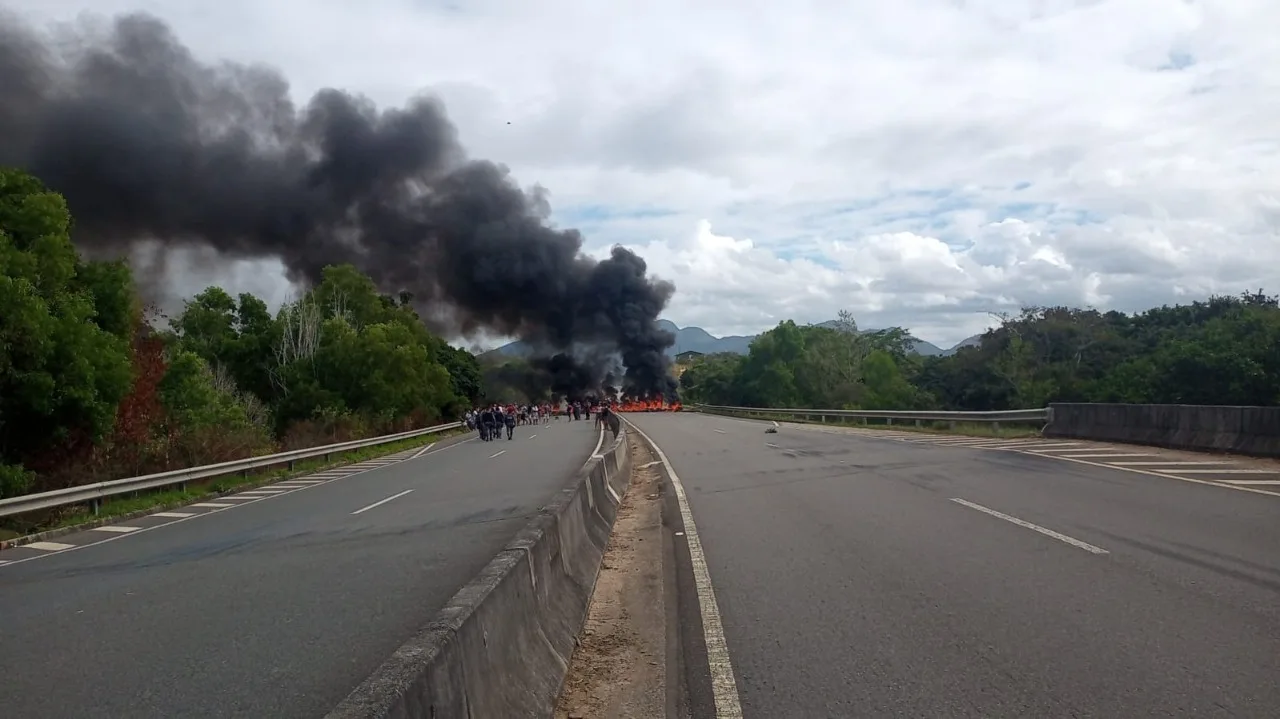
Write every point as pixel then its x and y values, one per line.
pixel 1252 481
pixel 599 442
pixel 1225 471
pixel 422 451
pixel 495 454
pixel 118 529
pixel 48 546
pixel 381 502
pixel 1170 464
pixel 1033 527
pixel 1108 455
pixel 724 689
pixel 1209 483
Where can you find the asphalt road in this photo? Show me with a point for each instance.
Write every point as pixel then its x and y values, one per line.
pixel 864 577
pixel 274 607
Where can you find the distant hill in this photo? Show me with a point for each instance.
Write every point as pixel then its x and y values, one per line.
pixel 696 339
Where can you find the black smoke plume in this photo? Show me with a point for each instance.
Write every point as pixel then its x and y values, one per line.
pixel 151 146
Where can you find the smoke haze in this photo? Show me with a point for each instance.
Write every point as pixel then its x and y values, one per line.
pixel 152 147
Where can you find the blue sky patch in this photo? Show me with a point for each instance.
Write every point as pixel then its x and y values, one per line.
pixel 1178 60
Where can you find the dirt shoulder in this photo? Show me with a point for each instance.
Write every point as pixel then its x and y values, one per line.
pixel 619 667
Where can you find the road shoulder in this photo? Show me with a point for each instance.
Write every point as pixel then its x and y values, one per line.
pixel 619 666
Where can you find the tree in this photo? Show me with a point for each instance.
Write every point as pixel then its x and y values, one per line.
pixel 64 361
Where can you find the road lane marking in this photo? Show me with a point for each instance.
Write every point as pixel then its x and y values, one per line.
pixel 48 546
pixel 1170 464
pixel 495 454
pixel 303 482
pixel 724 689
pixel 1226 471
pixel 264 491
pixel 1033 527
pixel 381 502
pixel 422 451
pixel 117 528
pixel 1107 456
pixel 1223 484
pixel 215 507
pixel 599 443
pixel 532 436
pixel 771 444
pixel 1252 481
pixel 721 431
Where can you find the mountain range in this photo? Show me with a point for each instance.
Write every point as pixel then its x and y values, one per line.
pixel 696 339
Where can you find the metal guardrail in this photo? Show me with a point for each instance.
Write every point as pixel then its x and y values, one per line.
pixel 1013 415
pixel 92 493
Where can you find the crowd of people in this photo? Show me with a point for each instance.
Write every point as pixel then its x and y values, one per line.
pixel 492 420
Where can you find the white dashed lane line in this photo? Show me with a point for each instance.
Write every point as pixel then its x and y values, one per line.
pixel 91 536
pixel 381 502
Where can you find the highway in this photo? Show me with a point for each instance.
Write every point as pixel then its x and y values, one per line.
pixel 856 575
pixel 273 604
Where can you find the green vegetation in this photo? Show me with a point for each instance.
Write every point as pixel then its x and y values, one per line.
pixel 93 388
pixel 1225 350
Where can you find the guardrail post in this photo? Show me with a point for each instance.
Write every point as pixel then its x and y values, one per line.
pixel 824 419
pixel 96 506
pixel 995 427
pixel 919 423
pixel 888 421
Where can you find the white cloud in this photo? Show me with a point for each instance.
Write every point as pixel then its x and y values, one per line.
pixel 920 162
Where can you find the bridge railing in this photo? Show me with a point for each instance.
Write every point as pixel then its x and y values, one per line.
pixel 1022 416
pixel 94 493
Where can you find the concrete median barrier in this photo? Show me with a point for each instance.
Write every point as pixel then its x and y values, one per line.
pixel 500 648
pixel 1212 428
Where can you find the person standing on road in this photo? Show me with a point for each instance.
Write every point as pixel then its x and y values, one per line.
pixel 490 423
pixel 510 419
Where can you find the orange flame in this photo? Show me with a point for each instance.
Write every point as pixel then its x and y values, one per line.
pixel 653 405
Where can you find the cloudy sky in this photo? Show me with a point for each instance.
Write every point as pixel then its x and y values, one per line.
pixel 922 163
